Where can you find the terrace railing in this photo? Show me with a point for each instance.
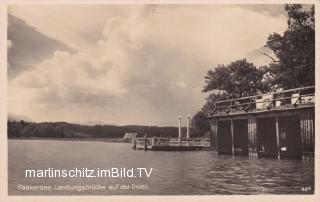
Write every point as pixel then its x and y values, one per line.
pixel 276 100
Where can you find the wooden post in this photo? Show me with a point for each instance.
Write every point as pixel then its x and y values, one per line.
pixel 250 148
pixel 232 138
pixel 255 138
pixel 214 137
pixel 145 144
pixel 252 136
pixel 278 140
pixel 303 135
pixel 312 119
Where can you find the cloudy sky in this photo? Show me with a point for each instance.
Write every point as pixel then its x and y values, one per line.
pixel 120 64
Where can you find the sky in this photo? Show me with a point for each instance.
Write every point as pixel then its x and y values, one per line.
pixel 127 64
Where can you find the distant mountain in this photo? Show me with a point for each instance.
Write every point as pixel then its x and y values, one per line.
pixel 14 117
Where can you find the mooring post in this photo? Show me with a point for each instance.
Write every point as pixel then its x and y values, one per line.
pixel 145 144
pixel 134 144
pixel 278 140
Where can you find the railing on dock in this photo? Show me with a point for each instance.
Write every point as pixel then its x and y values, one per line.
pixel 182 142
pixel 284 99
pixel 148 143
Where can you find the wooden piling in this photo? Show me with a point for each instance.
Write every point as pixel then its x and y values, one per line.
pixel 214 136
pixel 259 108
pixel 232 137
pixel 278 136
pixel 307 134
pixel 252 136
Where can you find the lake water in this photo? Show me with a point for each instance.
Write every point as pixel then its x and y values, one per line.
pixel 174 173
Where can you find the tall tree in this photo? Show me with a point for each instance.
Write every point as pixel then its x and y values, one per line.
pixel 294 65
pixel 295 50
pixel 238 79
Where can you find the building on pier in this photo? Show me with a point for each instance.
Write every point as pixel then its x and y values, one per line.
pixel 279 124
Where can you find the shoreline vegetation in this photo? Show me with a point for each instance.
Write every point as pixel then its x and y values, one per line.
pixel 70 131
pixel 113 140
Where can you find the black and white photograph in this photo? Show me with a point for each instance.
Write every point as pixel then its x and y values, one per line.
pixel 161 99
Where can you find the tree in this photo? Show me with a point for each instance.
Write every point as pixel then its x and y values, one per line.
pixel 294 65
pixel 200 124
pixel 238 79
pixel 295 50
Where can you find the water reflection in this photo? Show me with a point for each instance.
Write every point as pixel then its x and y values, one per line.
pixel 175 173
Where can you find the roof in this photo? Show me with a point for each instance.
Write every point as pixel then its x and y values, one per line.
pixel 130 135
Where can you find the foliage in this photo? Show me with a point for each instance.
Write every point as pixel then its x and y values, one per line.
pixel 293 67
pixel 238 79
pixel 295 50
pixel 200 124
pixel 68 130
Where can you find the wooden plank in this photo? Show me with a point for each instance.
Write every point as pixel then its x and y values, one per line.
pixel 277 133
pixel 252 136
pixel 255 137
pixel 308 131
pixel 249 136
pixel 303 134
pixel 232 137
pixel 313 132
pixel 214 137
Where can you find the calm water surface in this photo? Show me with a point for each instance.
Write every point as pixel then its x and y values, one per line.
pixel 174 173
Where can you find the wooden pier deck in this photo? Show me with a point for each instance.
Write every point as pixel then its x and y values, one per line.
pixel 170 144
pixel 278 124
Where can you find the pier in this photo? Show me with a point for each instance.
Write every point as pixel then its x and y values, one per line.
pixel 171 144
pixel 278 124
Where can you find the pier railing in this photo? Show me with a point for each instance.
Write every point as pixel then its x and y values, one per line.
pixel 292 98
pixel 154 141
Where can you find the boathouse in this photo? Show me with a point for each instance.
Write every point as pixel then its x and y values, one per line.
pixel 278 124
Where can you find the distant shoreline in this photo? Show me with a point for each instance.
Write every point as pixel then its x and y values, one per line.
pixel 116 140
